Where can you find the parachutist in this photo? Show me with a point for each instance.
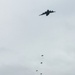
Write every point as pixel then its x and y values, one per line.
pixel 42 55
pixel 40 73
pixel 41 62
pixel 36 70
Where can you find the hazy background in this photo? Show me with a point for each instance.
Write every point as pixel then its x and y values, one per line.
pixel 24 36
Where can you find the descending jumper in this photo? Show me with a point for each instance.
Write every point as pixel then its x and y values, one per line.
pixel 41 65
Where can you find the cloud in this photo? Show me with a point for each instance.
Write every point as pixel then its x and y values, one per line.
pixel 16 70
pixel 24 36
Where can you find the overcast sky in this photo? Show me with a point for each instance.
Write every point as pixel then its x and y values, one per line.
pixel 24 36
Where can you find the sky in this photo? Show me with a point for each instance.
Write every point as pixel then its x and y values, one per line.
pixel 25 36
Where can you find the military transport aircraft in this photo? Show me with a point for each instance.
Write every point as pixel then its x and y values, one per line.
pixel 47 12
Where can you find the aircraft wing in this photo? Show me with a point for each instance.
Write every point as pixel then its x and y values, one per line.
pixel 42 13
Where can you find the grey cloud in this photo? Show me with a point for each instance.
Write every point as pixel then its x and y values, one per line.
pixel 24 36
pixel 16 70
